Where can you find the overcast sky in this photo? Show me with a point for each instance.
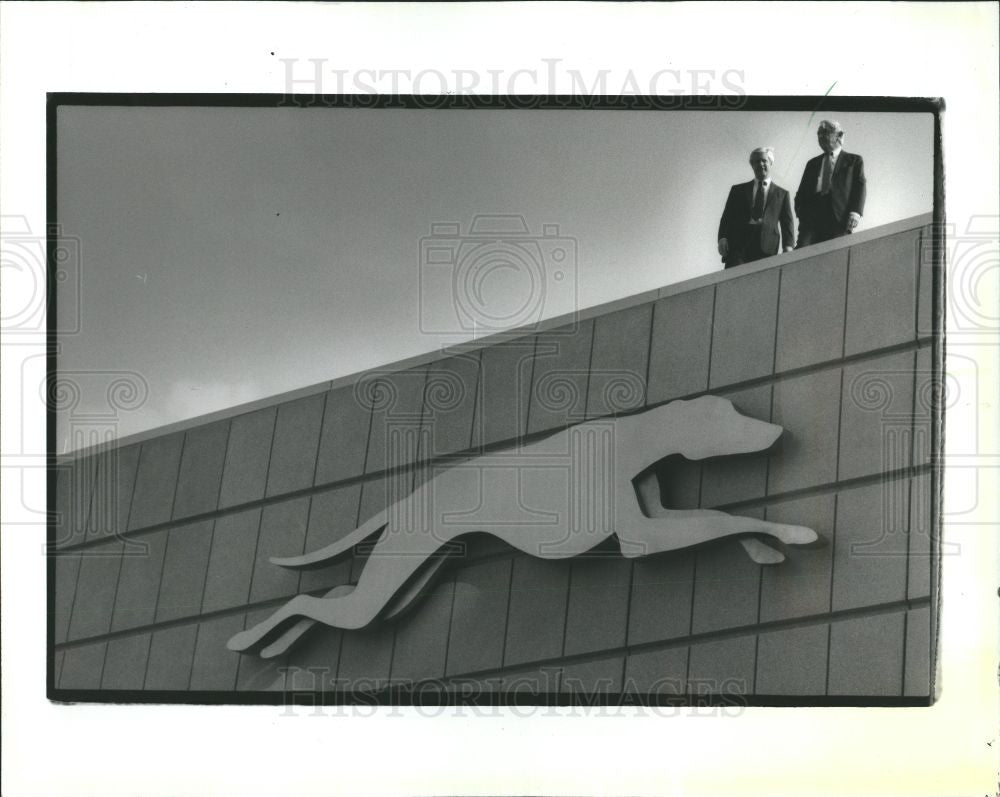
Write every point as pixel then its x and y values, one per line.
pixel 232 254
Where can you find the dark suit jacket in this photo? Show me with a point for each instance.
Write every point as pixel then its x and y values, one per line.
pixel 777 218
pixel 847 189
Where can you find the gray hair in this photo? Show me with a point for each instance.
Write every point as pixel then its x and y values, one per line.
pixel 768 151
pixel 830 126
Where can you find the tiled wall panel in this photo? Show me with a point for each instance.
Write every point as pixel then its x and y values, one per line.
pixel 201 469
pixel 618 362
pixel 156 481
pixel 560 377
pixel 882 292
pixel 680 344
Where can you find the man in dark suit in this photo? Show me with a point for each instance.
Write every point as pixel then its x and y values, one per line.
pixel 831 197
pixel 757 221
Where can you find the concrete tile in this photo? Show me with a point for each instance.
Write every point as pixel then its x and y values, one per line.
pixel 791 662
pixel 67 569
pixel 593 677
pixel 74 493
pixel 678 485
pixel 559 380
pixel 214 666
pixel 296 440
pixel 619 361
pixel 344 437
pixel 184 567
pixel 365 658
pixel 722 667
pixel 113 487
pixel 681 344
pixel 282 533
pixel 125 662
pixel 919 562
pixel 800 585
pixel 743 331
pixel 82 666
pixel 479 617
pixel 866 656
pixel 231 563
pixel 332 515
pixel 876 416
pixel 422 637
pixel 808 408
pixel 449 405
pixel 597 617
pixel 917 677
pixel 657 672
pixel 927 396
pixel 397 409
pixel 726 585
pixel 741 477
pixel 155 481
pixel 504 390
pixel 170 655
pixel 662 588
pixel 811 311
pixel 95 591
pixel 139 582
pixel 870 558
pixel 256 674
pixel 537 613
pixel 882 292
pixel 313 662
pixel 201 469
pixel 247 455
pixel 466 689
pixel 926 278
pixel 531 682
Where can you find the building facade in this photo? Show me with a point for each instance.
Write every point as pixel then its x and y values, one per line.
pixel 161 545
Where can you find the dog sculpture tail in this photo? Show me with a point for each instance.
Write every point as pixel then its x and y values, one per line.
pixel 333 550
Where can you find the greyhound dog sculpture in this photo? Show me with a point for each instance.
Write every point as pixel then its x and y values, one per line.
pixel 554 498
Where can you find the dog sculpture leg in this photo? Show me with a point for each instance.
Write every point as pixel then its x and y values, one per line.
pixel 647 492
pixel 384 574
pixel 673 529
pixel 333 550
pixel 417 587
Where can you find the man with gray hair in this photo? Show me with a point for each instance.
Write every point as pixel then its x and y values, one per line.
pixel 757 221
pixel 831 197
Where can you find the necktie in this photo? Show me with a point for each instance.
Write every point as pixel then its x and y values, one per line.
pixel 827 171
pixel 758 203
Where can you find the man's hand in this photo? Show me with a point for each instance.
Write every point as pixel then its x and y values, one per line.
pixel 853 220
pixel 723 247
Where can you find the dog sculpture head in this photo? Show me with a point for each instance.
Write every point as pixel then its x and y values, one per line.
pixel 686 423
